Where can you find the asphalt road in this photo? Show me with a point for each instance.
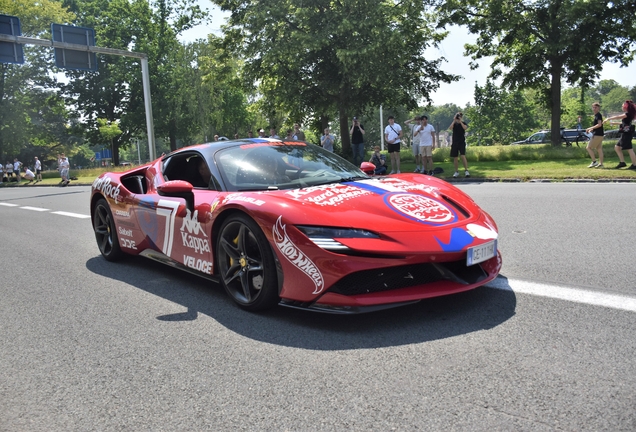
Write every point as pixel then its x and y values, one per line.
pixel 90 345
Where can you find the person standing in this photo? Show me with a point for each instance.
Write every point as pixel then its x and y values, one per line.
pixel 63 166
pixel 290 135
pixel 8 168
pixel 458 146
pixel 273 134
pixel 596 143
pixel 427 144
pixel 627 133
pixel 261 133
pixel 16 168
pixel 38 170
pixel 357 141
pixel 327 140
pixel 298 134
pixel 415 142
pixel 393 136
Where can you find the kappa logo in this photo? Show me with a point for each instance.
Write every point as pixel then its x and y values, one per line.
pixel 193 228
pixel 191 224
pixel 295 256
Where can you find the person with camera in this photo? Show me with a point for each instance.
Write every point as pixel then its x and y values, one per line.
pixel 357 141
pixel 393 136
pixel 458 146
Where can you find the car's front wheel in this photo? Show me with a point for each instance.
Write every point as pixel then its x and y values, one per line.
pixel 105 233
pixel 246 264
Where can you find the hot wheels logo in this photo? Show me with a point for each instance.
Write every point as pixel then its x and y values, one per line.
pixel 296 256
pixel 421 208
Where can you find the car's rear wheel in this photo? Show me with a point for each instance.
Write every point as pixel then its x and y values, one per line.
pixel 246 264
pixel 105 232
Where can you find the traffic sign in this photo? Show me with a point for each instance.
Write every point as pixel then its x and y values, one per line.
pixel 11 52
pixel 70 58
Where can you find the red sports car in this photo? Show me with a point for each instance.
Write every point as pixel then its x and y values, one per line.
pixel 285 222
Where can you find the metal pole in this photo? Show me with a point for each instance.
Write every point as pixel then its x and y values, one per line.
pixel 149 122
pixel 381 129
pixel 138 153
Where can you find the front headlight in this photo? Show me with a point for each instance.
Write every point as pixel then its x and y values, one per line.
pixel 324 237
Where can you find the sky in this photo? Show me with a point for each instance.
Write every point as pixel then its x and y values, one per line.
pixel 452 48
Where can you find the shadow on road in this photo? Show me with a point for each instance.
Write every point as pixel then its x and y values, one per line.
pixel 429 320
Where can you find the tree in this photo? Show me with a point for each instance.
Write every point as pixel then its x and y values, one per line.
pixel 537 44
pixel 314 58
pixel 27 91
pixel 499 116
pixel 114 92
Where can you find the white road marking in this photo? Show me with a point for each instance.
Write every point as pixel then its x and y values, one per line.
pixel 34 208
pixel 8 204
pixel 75 215
pixel 562 293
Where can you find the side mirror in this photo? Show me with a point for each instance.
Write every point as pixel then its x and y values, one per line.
pixel 178 189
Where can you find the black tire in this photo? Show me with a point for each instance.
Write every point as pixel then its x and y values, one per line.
pixel 105 232
pixel 246 264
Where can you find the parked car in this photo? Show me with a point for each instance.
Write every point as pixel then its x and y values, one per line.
pixel 612 134
pixel 568 136
pixel 541 137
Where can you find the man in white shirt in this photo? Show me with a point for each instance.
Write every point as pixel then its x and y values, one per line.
pixel 63 166
pixel 16 168
pixel 38 169
pixel 28 174
pixel 415 142
pixel 427 144
pixel 393 136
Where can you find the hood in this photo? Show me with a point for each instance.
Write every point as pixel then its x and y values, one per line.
pixel 388 204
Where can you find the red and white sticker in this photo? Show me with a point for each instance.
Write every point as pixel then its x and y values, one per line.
pixel 421 208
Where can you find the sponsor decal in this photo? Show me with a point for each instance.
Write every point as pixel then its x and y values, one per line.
pixel 272 143
pixel 126 223
pixel 243 198
pixel 458 240
pixel 295 256
pixel 329 195
pixel 103 184
pixel 198 264
pixel 127 243
pixel 389 184
pixel 192 230
pixel 482 232
pixel 122 213
pixel 125 232
pixel 420 208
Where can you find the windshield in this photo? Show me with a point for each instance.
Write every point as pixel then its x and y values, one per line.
pixel 282 165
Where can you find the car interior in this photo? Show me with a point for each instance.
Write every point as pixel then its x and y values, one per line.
pixel 185 166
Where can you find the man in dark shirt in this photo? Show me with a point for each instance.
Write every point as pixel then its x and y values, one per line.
pixel 357 141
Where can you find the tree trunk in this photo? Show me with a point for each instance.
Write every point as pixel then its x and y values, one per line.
pixel 344 133
pixel 172 134
pixel 555 103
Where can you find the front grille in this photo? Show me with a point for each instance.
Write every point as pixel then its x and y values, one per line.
pixel 392 278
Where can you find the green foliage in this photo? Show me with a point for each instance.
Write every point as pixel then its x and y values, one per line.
pixel 538 44
pixel 499 116
pixel 311 59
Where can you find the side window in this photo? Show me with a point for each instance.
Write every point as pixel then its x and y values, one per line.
pixel 190 167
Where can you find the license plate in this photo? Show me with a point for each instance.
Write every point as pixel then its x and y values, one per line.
pixel 481 253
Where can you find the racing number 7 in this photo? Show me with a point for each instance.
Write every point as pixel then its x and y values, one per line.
pixel 168 209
